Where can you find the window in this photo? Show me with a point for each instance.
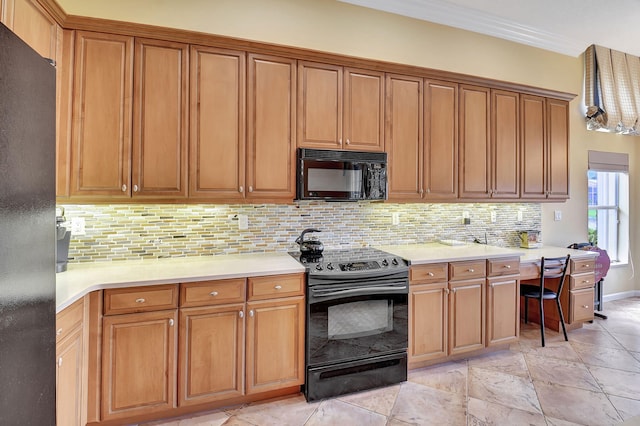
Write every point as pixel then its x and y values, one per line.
pixel 608 199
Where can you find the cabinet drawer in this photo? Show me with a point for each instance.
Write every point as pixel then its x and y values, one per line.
pixel 465 270
pixel 581 305
pixel 582 281
pixel 506 266
pixel 581 266
pixel 212 292
pixel 436 272
pixel 276 286
pixel 140 299
pixel 68 319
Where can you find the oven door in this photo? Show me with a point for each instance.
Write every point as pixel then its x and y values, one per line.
pixel 347 322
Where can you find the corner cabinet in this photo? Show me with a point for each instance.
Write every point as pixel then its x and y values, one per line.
pixel 340 108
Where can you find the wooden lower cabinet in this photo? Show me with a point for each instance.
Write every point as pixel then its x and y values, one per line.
pixel 211 353
pixel 466 315
pixel 139 363
pixel 503 313
pixel 69 366
pixel 275 344
pixel 428 313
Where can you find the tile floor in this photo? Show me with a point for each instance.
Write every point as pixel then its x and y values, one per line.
pixel 594 379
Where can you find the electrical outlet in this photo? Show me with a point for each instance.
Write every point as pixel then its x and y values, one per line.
pixel 520 216
pixel 557 215
pixel 395 218
pixel 494 216
pixel 243 222
pixel 77 226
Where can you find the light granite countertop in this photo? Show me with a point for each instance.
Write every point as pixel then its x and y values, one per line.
pixel 80 279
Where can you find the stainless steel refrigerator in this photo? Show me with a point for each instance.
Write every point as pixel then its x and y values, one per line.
pixel 27 235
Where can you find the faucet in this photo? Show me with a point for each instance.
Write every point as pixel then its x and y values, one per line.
pixel 477 241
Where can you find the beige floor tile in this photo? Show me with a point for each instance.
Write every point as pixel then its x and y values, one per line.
pixel 576 405
pixel 449 377
pixel 216 418
pixel 236 421
pixel 488 413
pixel 557 422
pixel 622 326
pixel 293 411
pixel 510 362
pixel 626 407
pixel 607 357
pixel 617 382
pixel 422 405
pixel 630 342
pixel 560 371
pixel 556 350
pixel 594 337
pixel 336 412
pixel 380 400
pixel 501 388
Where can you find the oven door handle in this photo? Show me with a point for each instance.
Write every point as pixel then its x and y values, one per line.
pixel 321 293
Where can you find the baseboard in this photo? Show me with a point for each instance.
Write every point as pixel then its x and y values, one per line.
pixel 622 295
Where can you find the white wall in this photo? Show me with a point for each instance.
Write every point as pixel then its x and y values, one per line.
pixel 329 25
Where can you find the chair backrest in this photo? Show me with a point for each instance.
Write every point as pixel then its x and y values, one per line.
pixel 553 267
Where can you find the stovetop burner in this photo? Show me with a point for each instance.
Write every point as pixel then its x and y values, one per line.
pixel 349 261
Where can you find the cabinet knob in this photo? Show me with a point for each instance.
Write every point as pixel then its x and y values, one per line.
pixel 586 266
pixel 585 306
pixel 251 313
pixel 213 293
pixel 251 189
pixel 453 290
pixel 428 190
pixel 58 332
pixel 507 266
pixel 241 314
pixel 124 188
pixel 340 141
pixel 348 141
pixel 471 270
pixel 278 287
pixel 141 300
pixel 171 322
pixel 421 191
pixel 60 362
pixel 431 274
pixel 135 188
pixel 241 189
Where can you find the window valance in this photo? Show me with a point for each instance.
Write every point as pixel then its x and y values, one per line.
pixel 612 90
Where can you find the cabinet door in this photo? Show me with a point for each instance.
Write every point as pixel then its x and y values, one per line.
pixel 275 344
pixel 319 106
pixel 505 144
pixel 440 140
pixel 533 160
pixel 503 310
pixel 466 315
pixel 69 379
pixel 558 148
pixel 211 352
pixel 32 24
pixel 138 363
pixel 428 313
pixel 363 123
pixel 217 120
pixel 101 140
pixel 159 161
pixel 475 149
pixel 403 138
pixel 271 128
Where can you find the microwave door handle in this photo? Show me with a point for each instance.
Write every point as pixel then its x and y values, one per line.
pixel 366 190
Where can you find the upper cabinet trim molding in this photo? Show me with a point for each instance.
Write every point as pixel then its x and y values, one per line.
pixel 74 22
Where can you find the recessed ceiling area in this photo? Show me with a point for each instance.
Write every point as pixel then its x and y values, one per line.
pixel 563 26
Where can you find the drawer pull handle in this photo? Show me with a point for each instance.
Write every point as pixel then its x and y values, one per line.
pixel 507 266
pixel 141 300
pixel 58 332
pixel 586 266
pixel 213 293
pixel 585 306
pixel 585 281
pixel 431 274
pixel 471 270
pixel 278 287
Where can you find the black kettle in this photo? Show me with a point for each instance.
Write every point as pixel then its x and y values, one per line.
pixel 309 246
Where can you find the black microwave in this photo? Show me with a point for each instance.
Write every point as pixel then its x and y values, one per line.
pixel 333 175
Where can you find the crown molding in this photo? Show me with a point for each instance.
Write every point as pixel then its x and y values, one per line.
pixel 453 15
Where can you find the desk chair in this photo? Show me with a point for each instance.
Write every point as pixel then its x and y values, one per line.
pixel 551 267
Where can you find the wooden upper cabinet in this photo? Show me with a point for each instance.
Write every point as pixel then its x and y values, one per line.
pixel 558 148
pixel 440 140
pixel 101 138
pixel 271 124
pixel 403 137
pixel 533 162
pixel 32 24
pixel 505 144
pixel 340 108
pixel 159 160
pixel 217 123
pixel 475 149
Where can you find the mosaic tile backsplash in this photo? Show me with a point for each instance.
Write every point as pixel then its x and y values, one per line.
pixel 134 231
